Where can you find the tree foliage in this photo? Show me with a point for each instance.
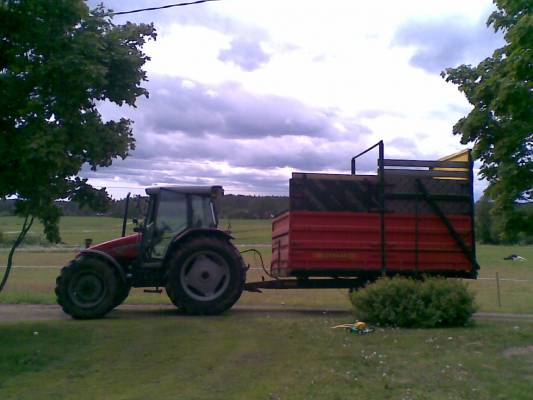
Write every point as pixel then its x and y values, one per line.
pixel 501 123
pixel 58 59
pixel 489 225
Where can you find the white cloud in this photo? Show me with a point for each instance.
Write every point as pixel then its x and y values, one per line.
pixel 338 59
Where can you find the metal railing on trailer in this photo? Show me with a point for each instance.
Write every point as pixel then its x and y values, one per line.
pixel 381 174
pixel 417 170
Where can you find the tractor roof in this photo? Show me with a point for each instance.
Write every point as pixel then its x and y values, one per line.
pixel 201 190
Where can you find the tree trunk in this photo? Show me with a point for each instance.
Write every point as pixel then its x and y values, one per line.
pixel 28 221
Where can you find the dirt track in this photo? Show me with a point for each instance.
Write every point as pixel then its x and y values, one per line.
pixel 38 312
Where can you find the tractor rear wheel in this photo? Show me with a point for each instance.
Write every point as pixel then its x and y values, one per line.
pixel 171 297
pixel 86 289
pixel 206 276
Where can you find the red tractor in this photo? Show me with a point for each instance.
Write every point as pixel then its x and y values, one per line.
pixel 178 246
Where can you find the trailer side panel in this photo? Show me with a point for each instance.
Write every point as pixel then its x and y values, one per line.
pixel 308 243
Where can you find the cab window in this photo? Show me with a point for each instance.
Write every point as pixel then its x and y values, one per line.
pixel 171 220
pixel 202 215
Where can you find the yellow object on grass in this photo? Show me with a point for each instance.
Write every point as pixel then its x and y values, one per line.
pixel 360 325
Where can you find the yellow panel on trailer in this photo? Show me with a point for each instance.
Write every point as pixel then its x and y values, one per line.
pixel 463 155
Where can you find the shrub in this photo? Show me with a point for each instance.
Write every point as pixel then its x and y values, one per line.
pixel 410 303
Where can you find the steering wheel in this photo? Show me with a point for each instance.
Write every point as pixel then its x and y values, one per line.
pixel 163 227
pixel 159 230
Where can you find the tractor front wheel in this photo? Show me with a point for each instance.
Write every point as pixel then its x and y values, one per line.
pixel 86 289
pixel 206 276
pixel 122 293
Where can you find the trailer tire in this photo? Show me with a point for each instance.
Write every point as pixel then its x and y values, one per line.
pixel 363 283
pixel 86 289
pixel 206 276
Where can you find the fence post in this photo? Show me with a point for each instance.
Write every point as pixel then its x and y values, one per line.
pixel 498 289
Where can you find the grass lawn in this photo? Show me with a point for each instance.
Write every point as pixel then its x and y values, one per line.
pixel 249 356
pixel 261 354
pixel 35 285
pixel 74 230
pixel 249 231
pixel 516 293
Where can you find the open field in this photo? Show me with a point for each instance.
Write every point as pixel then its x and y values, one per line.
pixel 249 231
pixel 74 230
pixel 251 355
pixel 35 285
pixel 268 354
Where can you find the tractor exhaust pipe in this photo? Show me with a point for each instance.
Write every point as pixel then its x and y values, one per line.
pixel 125 220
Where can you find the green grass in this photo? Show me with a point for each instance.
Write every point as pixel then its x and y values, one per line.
pixel 39 257
pixel 259 355
pixel 249 231
pixel 515 296
pixel 493 256
pixel 249 356
pixel 74 230
pixel 36 285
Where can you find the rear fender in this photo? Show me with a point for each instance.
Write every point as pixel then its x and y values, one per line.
pixel 186 234
pixel 107 259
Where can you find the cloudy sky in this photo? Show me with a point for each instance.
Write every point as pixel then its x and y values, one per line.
pixel 243 92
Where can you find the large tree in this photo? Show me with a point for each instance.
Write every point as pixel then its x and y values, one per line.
pixel 500 125
pixel 58 59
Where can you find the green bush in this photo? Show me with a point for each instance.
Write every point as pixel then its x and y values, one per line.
pixel 410 303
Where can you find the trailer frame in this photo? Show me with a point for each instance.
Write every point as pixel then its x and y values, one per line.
pixel 418 172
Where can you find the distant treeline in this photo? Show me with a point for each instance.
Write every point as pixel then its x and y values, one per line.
pixel 252 207
pixel 232 206
pixel 489 226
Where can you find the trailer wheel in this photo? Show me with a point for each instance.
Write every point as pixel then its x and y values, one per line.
pixel 362 283
pixel 206 276
pixel 86 289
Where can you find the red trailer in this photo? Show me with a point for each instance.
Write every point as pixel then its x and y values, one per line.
pixel 415 217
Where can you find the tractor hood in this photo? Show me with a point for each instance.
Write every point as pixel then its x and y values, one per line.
pixel 123 247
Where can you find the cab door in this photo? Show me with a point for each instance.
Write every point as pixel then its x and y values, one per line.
pixel 171 218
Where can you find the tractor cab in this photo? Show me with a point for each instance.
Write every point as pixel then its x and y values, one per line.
pixel 174 210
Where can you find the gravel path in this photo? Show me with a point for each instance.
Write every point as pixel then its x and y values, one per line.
pixel 41 312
